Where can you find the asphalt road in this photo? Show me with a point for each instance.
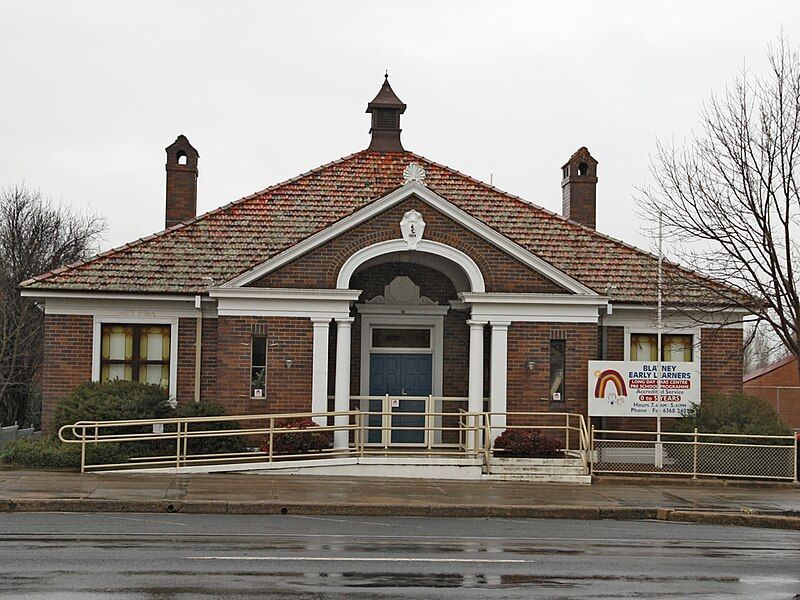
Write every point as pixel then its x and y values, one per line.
pixel 175 556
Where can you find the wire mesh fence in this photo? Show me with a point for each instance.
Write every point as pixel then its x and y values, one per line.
pixel 694 454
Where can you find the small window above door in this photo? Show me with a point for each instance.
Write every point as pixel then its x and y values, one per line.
pixel 385 337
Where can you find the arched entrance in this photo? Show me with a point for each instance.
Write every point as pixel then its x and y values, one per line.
pixel 410 333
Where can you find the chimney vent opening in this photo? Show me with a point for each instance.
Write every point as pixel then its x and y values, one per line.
pixel 579 188
pixel 181 196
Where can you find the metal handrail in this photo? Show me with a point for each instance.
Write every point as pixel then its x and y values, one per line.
pixel 580 428
pixel 475 426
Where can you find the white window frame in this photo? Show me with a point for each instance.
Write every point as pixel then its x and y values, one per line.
pixel 403 349
pixel 693 331
pixel 251 367
pixel 97 342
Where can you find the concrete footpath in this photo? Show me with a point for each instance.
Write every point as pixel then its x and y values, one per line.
pixel 761 505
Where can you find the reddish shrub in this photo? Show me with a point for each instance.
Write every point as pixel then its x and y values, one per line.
pixel 530 443
pixel 304 441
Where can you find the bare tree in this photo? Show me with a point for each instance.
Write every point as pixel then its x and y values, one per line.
pixel 730 197
pixel 36 236
pixel 762 348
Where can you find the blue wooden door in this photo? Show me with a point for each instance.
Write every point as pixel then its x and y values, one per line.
pixel 400 375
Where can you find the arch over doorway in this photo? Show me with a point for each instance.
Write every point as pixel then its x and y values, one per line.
pixel 462 260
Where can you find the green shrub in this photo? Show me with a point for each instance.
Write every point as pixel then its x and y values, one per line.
pixel 732 413
pixel 113 401
pixel 304 441
pixel 50 452
pixel 116 401
pixel 210 445
pixel 530 443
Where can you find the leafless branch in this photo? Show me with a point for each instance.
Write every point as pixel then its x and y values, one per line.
pixel 730 197
pixel 35 236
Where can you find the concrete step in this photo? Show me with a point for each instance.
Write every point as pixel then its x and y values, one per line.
pixel 532 462
pixel 534 478
pixel 507 470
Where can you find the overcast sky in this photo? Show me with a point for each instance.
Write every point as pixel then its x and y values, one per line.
pixel 92 92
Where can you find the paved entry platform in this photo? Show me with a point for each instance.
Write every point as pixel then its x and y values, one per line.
pixel 245 492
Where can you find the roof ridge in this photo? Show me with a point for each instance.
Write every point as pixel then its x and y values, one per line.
pixel 553 214
pixel 183 224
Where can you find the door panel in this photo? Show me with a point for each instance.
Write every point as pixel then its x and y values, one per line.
pixel 400 375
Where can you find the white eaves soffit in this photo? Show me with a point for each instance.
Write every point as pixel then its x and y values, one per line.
pixel 435 201
pixel 550 308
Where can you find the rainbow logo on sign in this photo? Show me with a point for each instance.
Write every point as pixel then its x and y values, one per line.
pixel 610 376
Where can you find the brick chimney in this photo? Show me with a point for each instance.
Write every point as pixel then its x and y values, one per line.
pixel 579 188
pixel 181 181
pixel 386 109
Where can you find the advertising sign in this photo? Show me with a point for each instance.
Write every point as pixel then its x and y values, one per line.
pixel 630 388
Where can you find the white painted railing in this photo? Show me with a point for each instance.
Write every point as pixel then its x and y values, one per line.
pixel 433 432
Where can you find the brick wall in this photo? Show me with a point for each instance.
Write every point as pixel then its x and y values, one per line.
pixel 320 267
pixel 67 359
pixel 579 201
pixel 787 400
pixel 187 332
pixel 528 389
pixel 615 343
pixel 722 361
pixel 288 388
pixel 226 358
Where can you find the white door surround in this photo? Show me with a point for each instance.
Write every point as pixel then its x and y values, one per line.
pixel 403 317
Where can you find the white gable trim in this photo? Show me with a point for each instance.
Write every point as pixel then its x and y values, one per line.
pixel 284 302
pixel 434 200
pixel 359 257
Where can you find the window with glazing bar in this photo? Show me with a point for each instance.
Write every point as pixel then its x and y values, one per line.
pixel 135 353
pixel 558 352
pixel 674 347
pixel 258 367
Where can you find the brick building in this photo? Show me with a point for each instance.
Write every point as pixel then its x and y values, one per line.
pixel 379 273
pixel 778 383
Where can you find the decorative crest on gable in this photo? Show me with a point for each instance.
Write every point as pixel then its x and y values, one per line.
pixel 402 291
pixel 414 173
pixel 412 227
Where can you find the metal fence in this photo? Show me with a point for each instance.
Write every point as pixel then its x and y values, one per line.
pixel 694 454
pixel 15 432
pixel 391 428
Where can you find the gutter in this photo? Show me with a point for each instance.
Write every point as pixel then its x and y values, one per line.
pixel 198 345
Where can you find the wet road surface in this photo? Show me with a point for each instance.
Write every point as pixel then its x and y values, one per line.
pixel 176 556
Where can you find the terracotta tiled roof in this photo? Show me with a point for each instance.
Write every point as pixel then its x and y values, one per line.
pixel 217 246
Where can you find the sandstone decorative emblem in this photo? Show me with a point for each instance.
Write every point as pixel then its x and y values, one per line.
pixel 412 227
pixel 414 173
pixel 402 291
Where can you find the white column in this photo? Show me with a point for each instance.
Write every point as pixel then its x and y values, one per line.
pixel 342 396
pixel 319 369
pixel 475 373
pixel 499 375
